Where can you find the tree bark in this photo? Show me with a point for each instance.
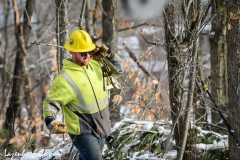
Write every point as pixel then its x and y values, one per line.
pixel 219 58
pixel 61 30
pixel 109 37
pixel 89 19
pixel 20 69
pixel 5 77
pixel 189 104
pixel 175 90
pixel 109 24
pixel 32 110
pixel 234 75
pixel 14 104
pixel 182 62
pixel 200 108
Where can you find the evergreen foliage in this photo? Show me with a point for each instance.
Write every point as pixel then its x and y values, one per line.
pixel 131 140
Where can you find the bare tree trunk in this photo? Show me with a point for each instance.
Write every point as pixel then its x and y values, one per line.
pixel 175 90
pixel 234 75
pixel 5 77
pixel 20 70
pixel 109 37
pixel 89 18
pixel 200 108
pixel 189 101
pixel 109 24
pixel 32 110
pixel 182 62
pixel 219 58
pixel 15 103
pixel 62 33
pixel 61 30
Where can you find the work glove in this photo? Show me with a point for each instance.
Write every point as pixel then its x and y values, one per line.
pixel 102 48
pixel 56 127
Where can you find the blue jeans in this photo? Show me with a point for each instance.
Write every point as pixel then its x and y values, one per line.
pixel 88 146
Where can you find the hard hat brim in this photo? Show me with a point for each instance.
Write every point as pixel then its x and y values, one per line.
pixel 68 47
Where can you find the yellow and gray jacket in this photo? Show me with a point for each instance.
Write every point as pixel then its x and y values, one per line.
pixel 76 90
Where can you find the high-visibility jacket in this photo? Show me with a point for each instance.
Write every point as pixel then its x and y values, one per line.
pixel 79 92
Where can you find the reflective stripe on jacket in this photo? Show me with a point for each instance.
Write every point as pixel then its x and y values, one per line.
pixel 73 91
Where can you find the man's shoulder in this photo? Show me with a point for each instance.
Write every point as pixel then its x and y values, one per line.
pixel 94 62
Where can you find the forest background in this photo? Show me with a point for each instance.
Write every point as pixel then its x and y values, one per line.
pixel 168 56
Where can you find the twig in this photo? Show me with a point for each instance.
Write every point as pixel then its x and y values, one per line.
pixel 82 14
pixel 45 44
pixel 213 125
pixel 132 55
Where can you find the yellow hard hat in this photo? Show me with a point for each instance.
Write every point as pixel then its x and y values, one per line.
pixel 79 41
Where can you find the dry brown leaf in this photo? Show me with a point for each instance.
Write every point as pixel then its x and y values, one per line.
pixel 132 112
pixel 123 24
pixel 131 73
pixel 145 97
pixel 129 105
pixel 135 96
pixel 46 88
pixel 137 108
pixel 141 90
pixel 18 139
pixel 149 117
pixel 117 98
pixel 38 121
pixel 233 16
pixel 130 27
pixel 158 97
pixel 53 52
pixel 229 26
pixel 148 87
pixel 53 41
pixel 137 81
pixel 138 73
pixel 127 63
pixel 54 68
pixel 54 61
pixel 195 16
pixel 160 108
pixel 142 103
pixel 95 11
pixel 38 134
pixel 153 110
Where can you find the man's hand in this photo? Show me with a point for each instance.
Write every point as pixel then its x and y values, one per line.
pixel 102 48
pixel 57 127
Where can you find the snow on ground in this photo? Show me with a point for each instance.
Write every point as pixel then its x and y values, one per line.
pixel 63 147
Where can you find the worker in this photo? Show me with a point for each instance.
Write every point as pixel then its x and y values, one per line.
pixel 79 91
